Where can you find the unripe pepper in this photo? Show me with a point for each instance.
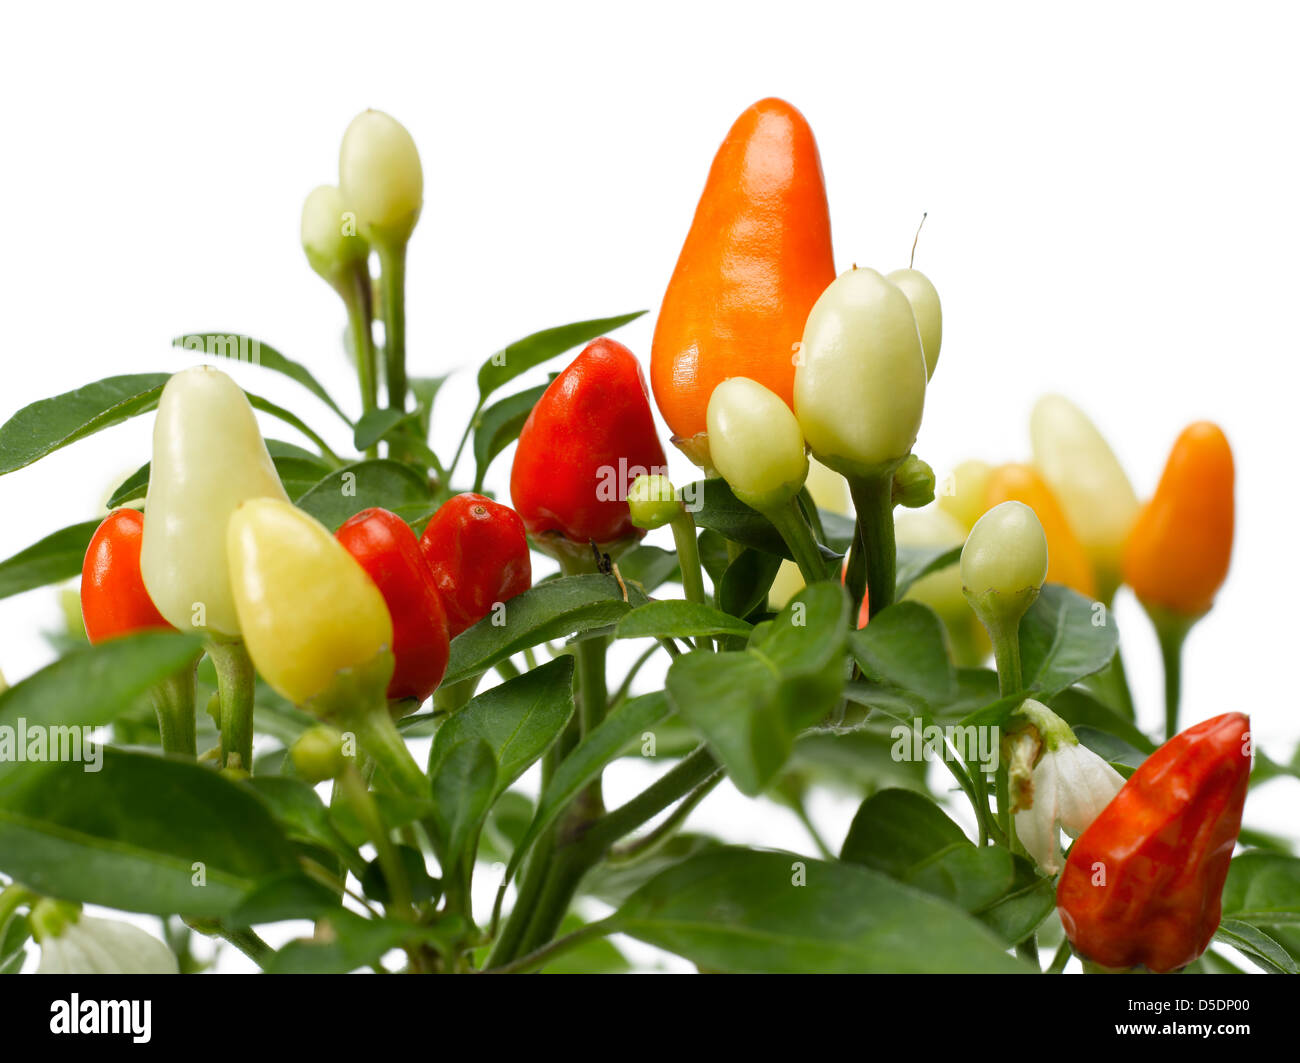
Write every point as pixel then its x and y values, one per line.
pixel 924 298
pixel 963 492
pixel 755 443
pixel 307 608
pixel 1144 883
pixel 1088 481
pixel 859 388
pixel 113 596
pixel 384 545
pixel 756 258
pixel 1067 562
pixel 208 457
pixel 1178 552
pixel 477 551
pixel 589 436
pixel 381 178
pixel 330 239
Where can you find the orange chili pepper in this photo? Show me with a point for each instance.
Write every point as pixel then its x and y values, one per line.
pixel 1067 562
pixel 1177 554
pixel 756 258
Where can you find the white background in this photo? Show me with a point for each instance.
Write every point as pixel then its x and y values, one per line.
pixel 1112 213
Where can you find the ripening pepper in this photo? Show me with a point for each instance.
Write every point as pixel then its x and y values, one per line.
pixel 859 387
pixel 755 443
pixel 330 239
pixel 923 296
pixel 1144 883
pixel 384 545
pixel 1088 481
pixel 589 436
pixel 113 597
pixel 756 258
pixel 477 551
pixel 208 457
pixel 380 177
pixel 308 610
pixel 1004 564
pixel 964 490
pixel 1067 563
pixel 1178 551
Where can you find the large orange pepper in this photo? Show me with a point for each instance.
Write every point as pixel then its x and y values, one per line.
pixel 1067 562
pixel 755 260
pixel 1177 554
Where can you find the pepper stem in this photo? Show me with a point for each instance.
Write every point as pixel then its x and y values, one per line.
pixel 173 703
pixel 357 298
pixel 789 520
pixel 392 266
pixel 379 737
pixel 235 677
pixel 874 558
pixel 1171 631
pixel 688 556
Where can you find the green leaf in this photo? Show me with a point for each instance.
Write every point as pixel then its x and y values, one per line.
pixel 47 425
pixel 298 469
pixel 614 733
pixel 649 567
pixel 738 910
pixel 1263 888
pixel 240 348
pixel 289 896
pixel 894 831
pixel 487 745
pixel 746 581
pixel 677 619
pixel 1060 642
pixel 1258 947
pixel 539 347
pixel 423 887
pixel 905 647
pixel 553 609
pixel 425 389
pixel 143 834
pixel 498 426
pixel 58 556
pixel 347 491
pixel 303 817
pixel 88 687
pixel 292 419
pixel 595 956
pixel 375 426
pixel 349 942
pixel 917 562
pixel 721 511
pixel 808 633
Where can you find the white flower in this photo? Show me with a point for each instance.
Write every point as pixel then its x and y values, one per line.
pixel 76 944
pixel 1071 785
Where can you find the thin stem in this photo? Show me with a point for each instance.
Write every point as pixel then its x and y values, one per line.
pixel 793 526
pixel 692 770
pixel 357 299
pixel 13 897
pixel 688 556
pixel 1060 959
pixel 538 958
pixel 625 687
pixel 506 947
pixel 875 576
pixel 1171 630
pixel 381 739
pixel 1006 654
pixel 235 678
pixel 359 797
pixel 464 438
pixel 648 843
pixel 173 702
pixel 392 265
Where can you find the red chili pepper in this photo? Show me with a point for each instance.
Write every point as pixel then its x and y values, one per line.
pixel 477 550
pixel 113 598
pixel 589 436
pixel 1143 884
pixel 385 546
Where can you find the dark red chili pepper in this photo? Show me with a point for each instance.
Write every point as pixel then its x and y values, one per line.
pixel 589 436
pixel 385 546
pixel 477 550
pixel 1143 884
pixel 113 597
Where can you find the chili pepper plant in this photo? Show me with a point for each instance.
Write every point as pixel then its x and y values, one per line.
pixel 269 628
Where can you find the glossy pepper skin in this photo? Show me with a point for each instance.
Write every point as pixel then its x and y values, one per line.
pixel 307 609
pixel 1178 551
pixel 384 545
pixel 1067 561
pixel 113 597
pixel 587 439
pixel 477 552
pixel 1164 844
pixel 756 258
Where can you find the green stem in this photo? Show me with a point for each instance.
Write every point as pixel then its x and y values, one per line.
pixel 1171 630
pixel 647 844
pixel 1028 950
pixel 380 738
pixel 875 575
pixel 1006 654
pixel 625 687
pixel 692 770
pixel 539 957
pixel 173 702
pixel 235 678
pixel 1060 959
pixel 13 897
pixel 506 947
pixel 688 556
pixel 392 266
pixel 357 299
pixel 359 797
pixel 793 526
